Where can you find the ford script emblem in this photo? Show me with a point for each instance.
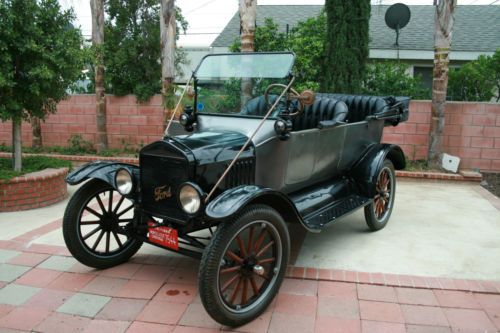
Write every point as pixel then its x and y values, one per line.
pixel 162 192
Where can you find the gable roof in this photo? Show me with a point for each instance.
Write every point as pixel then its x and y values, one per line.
pixel 476 27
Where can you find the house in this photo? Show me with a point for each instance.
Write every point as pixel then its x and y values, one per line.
pixel 476 32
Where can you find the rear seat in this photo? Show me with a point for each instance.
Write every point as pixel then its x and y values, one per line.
pixel 324 110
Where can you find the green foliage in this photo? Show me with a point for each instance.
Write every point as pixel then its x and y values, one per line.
pixel 392 78
pixel 30 164
pixel 40 57
pixel 346 45
pixel 268 38
pixel 478 80
pixel 78 144
pixel 306 40
pixel 132 47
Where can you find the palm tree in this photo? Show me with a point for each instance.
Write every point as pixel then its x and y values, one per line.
pixel 443 23
pixel 97 9
pixel 248 16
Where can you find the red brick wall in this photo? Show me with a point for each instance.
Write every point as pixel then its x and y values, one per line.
pixel 127 122
pixel 39 189
pixel 472 130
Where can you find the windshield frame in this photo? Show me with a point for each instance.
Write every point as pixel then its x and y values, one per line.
pixel 288 77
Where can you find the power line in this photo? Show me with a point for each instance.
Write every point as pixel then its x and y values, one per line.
pixel 494 2
pixel 200 6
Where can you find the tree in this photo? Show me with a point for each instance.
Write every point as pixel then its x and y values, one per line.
pixel 478 80
pixel 132 48
pixel 40 57
pixel 97 9
pixel 384 78
pixel 267 38
pixel 346 45
pixel 167 31
pixel 443 29
pixel 248 17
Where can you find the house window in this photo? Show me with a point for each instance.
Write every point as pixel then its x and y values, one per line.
pixel 426 74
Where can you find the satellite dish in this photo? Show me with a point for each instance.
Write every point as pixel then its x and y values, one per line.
pixel 397 17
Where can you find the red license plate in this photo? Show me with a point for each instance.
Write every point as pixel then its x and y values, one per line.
pixel 164 236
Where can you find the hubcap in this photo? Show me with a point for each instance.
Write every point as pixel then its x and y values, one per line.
pixel 249 267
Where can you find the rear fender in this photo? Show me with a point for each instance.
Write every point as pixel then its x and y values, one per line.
pixel 228 204
pixel 102 170
pixel 365 172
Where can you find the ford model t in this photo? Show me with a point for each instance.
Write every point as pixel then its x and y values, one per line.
pixel 258 155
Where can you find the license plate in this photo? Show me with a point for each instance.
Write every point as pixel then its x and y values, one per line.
pixel 164 236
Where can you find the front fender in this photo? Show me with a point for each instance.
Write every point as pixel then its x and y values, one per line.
pixel 101 170
pixel 229 203
pixel 365 172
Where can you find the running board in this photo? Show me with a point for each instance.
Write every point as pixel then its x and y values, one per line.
pixel 337 209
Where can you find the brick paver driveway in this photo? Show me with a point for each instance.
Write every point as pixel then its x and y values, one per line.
pixel 42 288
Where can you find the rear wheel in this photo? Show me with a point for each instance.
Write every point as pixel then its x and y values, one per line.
pixel 377 213
pixel 242 268
pixel 93 226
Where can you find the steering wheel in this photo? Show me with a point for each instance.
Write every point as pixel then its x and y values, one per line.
pixel 306 98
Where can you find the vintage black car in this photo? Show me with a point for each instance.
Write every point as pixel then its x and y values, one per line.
pixel 258 155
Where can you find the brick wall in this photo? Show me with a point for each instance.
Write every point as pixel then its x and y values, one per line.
pixel 127 122
pixel 472 130
pixel 35 190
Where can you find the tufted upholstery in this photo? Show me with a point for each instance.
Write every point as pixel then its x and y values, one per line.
pixel 322 109
pixel 361 106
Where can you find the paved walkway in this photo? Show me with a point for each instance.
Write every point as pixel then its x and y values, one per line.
pixel 42 288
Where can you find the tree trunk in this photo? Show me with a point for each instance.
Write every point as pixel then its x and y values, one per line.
pixel 97 9
pixel 16 142
pixel 443 29
pixel 248 16
pixel 36 141
pixel 168 31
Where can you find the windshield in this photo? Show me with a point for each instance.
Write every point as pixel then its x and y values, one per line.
pixel 234 84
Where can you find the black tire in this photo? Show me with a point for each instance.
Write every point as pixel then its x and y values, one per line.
pixel 254 271
pixel 377 213
pixel 103 227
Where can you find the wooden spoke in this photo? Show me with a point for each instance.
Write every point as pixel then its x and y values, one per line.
pixel 98 197
pixel 229 282
pixel 118 204
pixel 98 240
pixel 89 222
pixel 250 239
pixel 244 294
pixel 254 286
pixel 117 239
pixel 243 250
pixel 90 210
pixel 91 233
pixel 125 210
pixel 266 261
pixel 230 269
pixel 233 256
pixel 260 239
pixel 108 240
pixel 264 249
pixel 236 291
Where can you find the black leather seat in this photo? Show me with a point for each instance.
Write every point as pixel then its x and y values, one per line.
pixel 323 109
pixel 361 106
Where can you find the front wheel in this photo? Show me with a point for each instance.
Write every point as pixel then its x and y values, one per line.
pixel 377 213
pixel 244 265
pixel 93 226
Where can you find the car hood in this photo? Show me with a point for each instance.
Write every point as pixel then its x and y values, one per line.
pixel 215 146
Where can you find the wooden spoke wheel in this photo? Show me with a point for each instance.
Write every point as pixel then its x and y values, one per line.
pixel 378 212
pixel 244 265
pixel 93 226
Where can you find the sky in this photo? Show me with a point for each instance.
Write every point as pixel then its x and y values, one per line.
pixel 207 18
